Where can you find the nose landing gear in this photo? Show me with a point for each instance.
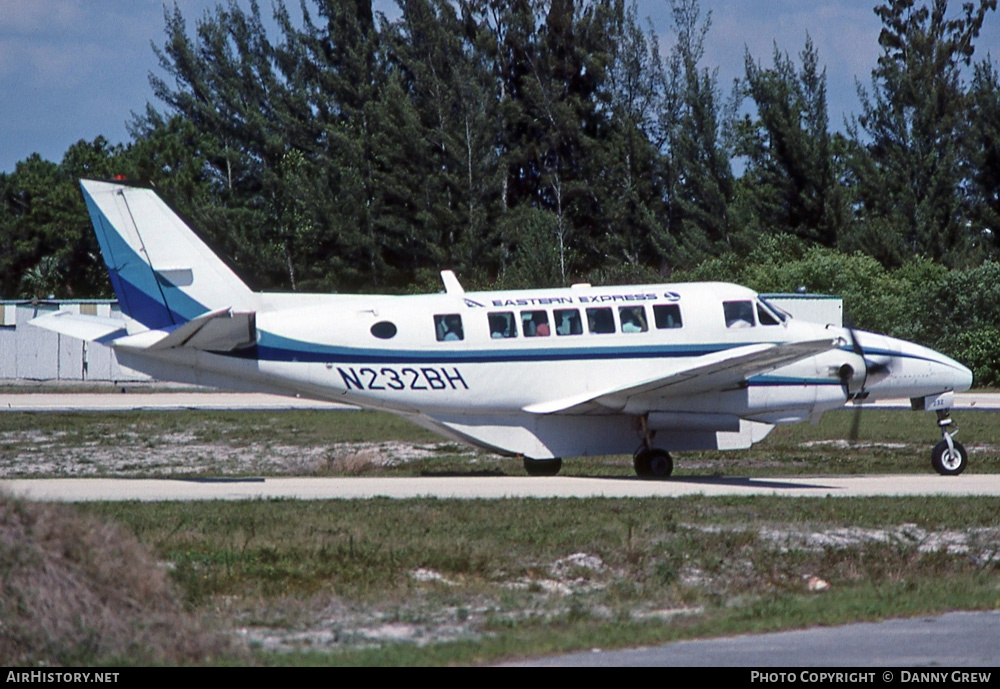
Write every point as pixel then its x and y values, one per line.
pixel 948 457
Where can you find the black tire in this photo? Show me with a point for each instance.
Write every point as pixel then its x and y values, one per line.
pixel 655 464
pixel 542 467
pixel 947 462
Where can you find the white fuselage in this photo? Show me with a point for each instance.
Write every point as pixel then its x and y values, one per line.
pixel 390 353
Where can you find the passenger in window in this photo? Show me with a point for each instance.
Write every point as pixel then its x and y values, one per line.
pixel 454 325
pixel 535 324
pixel 568 322
pixel 449 327
pixel 633 319
pixel 502 325
pixel 600 321
pixel 541 324
pixel 667 316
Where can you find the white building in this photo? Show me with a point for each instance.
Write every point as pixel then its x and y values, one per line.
pixel 30 353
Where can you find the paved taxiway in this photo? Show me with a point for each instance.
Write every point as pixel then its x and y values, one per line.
pixel 930 646
pixel 491 487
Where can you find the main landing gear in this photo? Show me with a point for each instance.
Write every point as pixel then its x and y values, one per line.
pixel 948 457
pixel 650 462
pixel 542 467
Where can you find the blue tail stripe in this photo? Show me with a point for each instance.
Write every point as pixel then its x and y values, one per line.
pixel 145 297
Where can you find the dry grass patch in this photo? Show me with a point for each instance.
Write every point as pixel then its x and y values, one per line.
pixel 75 589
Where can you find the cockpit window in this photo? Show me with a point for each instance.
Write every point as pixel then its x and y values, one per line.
pixel 448 327
pixel 739 314
pixel 502 325
pixel 765 317
pixel 776 310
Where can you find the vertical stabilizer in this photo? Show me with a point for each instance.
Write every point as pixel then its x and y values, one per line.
pixel 162 273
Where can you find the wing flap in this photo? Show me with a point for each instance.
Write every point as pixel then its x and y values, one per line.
pixel 712 372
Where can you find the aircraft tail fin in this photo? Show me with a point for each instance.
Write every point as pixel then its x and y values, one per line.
pixel 162 273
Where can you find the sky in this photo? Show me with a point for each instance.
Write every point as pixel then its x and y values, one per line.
pixel 77 69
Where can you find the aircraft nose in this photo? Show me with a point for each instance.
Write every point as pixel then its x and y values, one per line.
pixel 963 377
pixel 911 370
pixel 946 370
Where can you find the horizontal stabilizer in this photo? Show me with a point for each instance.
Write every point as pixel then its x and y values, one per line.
pixel 709 373
pixel 81 326
pixel 217 331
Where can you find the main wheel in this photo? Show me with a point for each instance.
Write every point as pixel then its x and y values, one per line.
pixel 653 463
pixel 542 467
pixel 948 462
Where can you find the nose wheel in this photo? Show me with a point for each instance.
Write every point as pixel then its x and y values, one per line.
pixel 948 457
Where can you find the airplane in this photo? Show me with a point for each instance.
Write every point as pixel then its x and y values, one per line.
pixel 543 374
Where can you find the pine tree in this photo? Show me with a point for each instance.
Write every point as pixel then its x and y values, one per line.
pixel 909 162
pixel 790 182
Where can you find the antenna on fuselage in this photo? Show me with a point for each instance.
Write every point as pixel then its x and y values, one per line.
pixel 451 283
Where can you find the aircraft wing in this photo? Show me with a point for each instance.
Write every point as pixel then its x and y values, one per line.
pixel 712 372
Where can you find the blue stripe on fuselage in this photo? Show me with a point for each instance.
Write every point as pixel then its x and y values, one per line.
pixel 271 347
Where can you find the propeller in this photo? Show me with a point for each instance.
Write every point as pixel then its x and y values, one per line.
pixel 872 370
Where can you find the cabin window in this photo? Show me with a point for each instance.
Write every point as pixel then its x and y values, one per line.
pixel 448 327
pixel 765 317
pixel 633 319
pixel 601 321
pixel 503 325
pixel 568 322
pixel 667 316
pixel 739 314
pixel 384 330
pixel 535 324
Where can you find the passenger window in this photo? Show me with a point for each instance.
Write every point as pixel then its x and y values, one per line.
pixel 568 322
pixel 739 314
pixel 633 319
pixel 535 323
pixel 667 316
pixel 764 316
pixel 503 325
pixel 448 327
pixel 600 321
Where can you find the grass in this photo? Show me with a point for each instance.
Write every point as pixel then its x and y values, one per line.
pixel 416 582
pixel 448 581
pixel 255 443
